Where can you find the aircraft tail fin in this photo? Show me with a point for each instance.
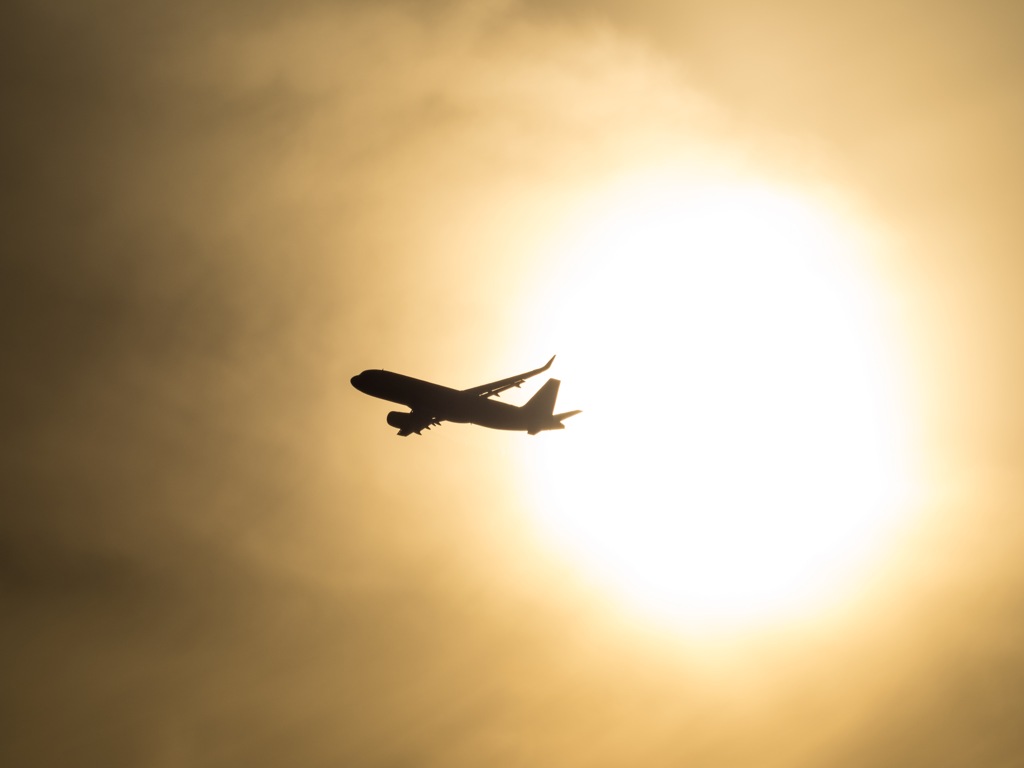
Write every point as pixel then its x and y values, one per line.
pixel 543 402
pixel 540 410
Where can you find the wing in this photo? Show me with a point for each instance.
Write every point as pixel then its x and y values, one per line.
pixel 487 390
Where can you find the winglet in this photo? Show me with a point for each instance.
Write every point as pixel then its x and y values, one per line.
pixel 548 364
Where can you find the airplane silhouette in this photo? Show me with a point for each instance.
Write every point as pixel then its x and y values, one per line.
pixel 431 403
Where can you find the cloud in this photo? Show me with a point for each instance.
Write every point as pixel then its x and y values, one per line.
pixel 215 214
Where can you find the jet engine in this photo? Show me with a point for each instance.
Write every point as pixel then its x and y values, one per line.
pixel 406 422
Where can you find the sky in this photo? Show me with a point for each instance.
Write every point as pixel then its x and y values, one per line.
pixel 215 552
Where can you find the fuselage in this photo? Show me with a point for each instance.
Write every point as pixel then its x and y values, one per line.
pixel 443 403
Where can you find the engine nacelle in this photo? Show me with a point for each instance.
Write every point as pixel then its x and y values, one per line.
pixel 405 422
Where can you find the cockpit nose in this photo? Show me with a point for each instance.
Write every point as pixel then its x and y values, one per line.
pixel 366 382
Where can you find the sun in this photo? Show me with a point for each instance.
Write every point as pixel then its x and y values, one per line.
pixel 740 456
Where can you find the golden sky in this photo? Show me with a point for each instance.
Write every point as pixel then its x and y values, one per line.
pixel 792 226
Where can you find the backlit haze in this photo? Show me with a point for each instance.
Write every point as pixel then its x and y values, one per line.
pixel 777 251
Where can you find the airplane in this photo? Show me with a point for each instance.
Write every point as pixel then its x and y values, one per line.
pixel 432 403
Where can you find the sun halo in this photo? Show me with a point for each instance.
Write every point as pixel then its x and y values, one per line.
pixel 740 454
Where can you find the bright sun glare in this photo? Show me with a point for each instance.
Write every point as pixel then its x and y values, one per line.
pixel 739 455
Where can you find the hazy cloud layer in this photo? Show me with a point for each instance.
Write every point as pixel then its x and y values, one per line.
pixel 214 214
